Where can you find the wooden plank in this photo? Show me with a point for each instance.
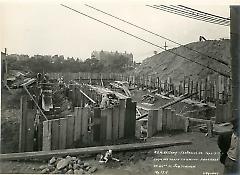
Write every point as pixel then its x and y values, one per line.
pixel 210 128
pixel 178 100
pixel 63 133
pixel 39 136
pixel 160 120
pixel 78 124
pixel 96 126
pixel 22 131
pixel 127 124
pixel 109 123
pixel 219 112
pixel 70 131
pixel 133 119
pixel 55 134
pixel 115 122
pixel 169 119
pixel 85 115
pixel 30 130
pixel 164 119
pixel 122 111
pixel 150 123
pixel 93 150
pixel 47 125
pixel 103 125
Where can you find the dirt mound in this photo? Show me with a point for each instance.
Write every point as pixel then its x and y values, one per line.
pixel 166 64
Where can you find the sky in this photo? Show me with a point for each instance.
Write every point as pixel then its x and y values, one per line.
pixel 47 28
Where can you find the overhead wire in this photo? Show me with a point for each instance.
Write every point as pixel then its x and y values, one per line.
pixel 205 13
pixel 146 30
pixel 202 15
pixel 183 13
pixel 226 75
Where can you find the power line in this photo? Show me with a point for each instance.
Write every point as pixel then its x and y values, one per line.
pixel 205 13
pixel 202 15
pixel 146 30
pixel 193 15
pixel 144 40
pixel 188 14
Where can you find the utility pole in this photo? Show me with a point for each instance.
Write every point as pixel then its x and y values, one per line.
pixel 235 53
pixel 165 46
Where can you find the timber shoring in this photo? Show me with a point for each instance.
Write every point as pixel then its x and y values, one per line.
pixel 91 150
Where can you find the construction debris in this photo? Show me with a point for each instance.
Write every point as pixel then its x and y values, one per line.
pixel 108 156
pixel 67 165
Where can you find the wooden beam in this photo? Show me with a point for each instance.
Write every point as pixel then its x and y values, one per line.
pixel 142 116
pixel 25 88
pixel 85 94
pixel 92 150
pixel 178 100
pixel 194 119
pixel 32 80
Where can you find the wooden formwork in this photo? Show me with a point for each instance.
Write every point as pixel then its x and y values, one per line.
pixel 210 89
pixel 88 127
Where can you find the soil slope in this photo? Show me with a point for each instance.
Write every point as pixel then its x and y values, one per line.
pixel 166 64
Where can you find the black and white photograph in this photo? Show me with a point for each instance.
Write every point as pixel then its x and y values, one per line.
pixel 111 87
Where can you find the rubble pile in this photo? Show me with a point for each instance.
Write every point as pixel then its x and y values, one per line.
pixel 67 165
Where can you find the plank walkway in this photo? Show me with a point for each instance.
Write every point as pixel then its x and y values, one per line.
pixel 91 150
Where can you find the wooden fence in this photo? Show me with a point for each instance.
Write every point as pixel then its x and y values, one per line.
pixel 211 89
pixel 87 127
pixel 164 120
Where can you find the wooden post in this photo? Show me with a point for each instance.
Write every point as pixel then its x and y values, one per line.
pixel 96 126
pixel 152 122
pixel 47 130
pixel 103 125
pixel 122 111
pixel 160 120
pixel 169 119
pixel 62 133
pixel 85 116
pixel 109 123
pixel 26 137
pixel 22 132
pixel 55 134
pixel 115 121
pixel 78 124
pixel 70 131
pixel 164 119
pixel 127 125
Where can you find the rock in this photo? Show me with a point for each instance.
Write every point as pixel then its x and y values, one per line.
pixel 51 167
pixel 69 172
pixel 76 166
pixel 78 172
pixel 81 171
pixel 56 172
pixel 68 157
pixel 85 164
pixel 80 162
pixel 70 166
pixel 63 163
pixel 92 169
pixel 74 158
pixel 45 171
pixel 64 170
pixel 42 167
pixel 52 160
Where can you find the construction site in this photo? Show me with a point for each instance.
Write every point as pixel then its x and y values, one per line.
pixel 162 117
